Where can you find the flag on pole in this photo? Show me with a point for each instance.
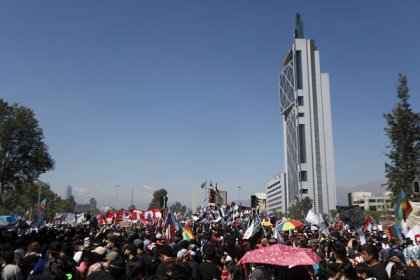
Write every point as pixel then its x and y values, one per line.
pixel 188 234
pixel 278 237
pixel 169 226
pixel 394 231
pixel 369 223
pixel 42 206
pixel 402 207
pixel 38 219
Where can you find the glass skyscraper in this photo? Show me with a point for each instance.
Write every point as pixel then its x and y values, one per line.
pixel 308 139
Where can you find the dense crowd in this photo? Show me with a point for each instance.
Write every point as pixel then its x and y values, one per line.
pixel 137 252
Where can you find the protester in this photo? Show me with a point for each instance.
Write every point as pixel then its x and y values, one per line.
pixel 370 255
pixel 211 251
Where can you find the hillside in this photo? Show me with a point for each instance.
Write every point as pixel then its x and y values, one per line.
pixel 373 186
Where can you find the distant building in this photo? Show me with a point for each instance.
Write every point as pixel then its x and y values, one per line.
pixel 68 192
pixel 369 202
pixel 89 206
pixel 222 197
pixel 259 201
pixel 276 198
pixel 307 125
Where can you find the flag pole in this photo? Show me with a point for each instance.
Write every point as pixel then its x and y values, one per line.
pixel 39 195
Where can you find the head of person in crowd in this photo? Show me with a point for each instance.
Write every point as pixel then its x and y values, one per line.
pixel 348 272
pixel 165 253
pixel 209 252
pixel 7 257
pixel 130 251
pixel 395 257
pixel 112 256
pixel 183 256
pixel 117 269
pixel 112 243
pixel 139 243
pixel 332 271
pixel 54 250
pixel 363 271
pixel 33 248
pixel 370 254
pixel 176 271
pixel 395 242
pixel 340 253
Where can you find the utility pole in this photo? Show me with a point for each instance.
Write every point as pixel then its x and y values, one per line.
pixel 239 188
pixel 116 196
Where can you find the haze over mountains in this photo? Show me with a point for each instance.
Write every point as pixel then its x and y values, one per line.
pixel 373 186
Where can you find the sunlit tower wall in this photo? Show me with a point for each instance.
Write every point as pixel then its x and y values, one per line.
pixel 68 192
pixel 307 125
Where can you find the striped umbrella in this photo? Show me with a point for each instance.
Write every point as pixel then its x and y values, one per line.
pixel 288 225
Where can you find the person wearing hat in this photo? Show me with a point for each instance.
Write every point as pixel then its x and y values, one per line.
pixel 144 256
pixel 103 265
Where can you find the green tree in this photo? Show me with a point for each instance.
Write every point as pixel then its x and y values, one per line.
pixel 177 207
pixel 155 202
pixel 23 154
pixel 403 131
pixel 299 208
pixel 23 201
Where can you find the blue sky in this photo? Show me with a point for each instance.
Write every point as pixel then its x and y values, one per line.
pixel 150 94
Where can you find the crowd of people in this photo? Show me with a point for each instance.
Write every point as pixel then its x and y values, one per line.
pixel 139 252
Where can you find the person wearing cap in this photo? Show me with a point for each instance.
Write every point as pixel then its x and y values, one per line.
pixel 144 257
pixel 103 265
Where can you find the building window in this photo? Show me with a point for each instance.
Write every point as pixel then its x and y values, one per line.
pixel 372 208
pixel 303 176
pixel 302 144
pixel 304 191
pixel 298 68
pixel 300 100
pixel 301 115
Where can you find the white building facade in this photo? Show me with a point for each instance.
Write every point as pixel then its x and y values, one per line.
pixel 370 202
pixel 307 125
pixel 276 195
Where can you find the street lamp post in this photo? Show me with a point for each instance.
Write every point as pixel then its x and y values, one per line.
pixel 116 196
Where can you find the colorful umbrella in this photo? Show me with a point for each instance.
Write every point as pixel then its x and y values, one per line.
pixel 288 225
pixel 280 254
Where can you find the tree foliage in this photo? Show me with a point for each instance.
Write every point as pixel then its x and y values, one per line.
pixel 403 131
pixel 177 207
pixel 155 202
pixel 24 200
pixel 299 208
pixel 23 154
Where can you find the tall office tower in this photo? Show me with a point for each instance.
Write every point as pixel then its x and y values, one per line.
pixel 307 127
pixel 68 192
